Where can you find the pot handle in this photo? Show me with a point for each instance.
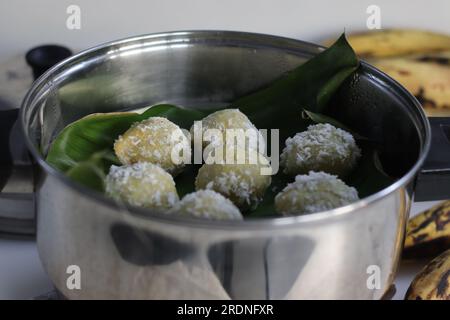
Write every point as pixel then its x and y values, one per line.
pixel 433 182
pixel 17 211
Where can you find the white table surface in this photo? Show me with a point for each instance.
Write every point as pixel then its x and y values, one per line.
pixel 21 273
pixel 23 277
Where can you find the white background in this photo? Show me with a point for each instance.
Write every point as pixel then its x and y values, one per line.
pixel 26 23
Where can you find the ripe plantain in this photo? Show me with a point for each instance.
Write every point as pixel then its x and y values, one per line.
pixel 433 282
pixel 396 42
pixel 428 233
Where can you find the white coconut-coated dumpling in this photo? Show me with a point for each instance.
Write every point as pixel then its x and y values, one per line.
pixel 224 120
pixel 207 204
pixel 322 147
pixel 314 192
pixel 142 184
pixel 244 182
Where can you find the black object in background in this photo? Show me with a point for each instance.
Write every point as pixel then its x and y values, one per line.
pixel 42 58
pixel 433 182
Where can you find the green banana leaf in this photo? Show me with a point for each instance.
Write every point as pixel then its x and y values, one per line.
pixel 92 172
pixel 311 86
pixel 84 149
pixel 86 146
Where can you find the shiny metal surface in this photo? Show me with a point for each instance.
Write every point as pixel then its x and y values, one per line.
pixel 133 253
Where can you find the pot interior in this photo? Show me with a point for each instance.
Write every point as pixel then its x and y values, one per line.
pixel 198 69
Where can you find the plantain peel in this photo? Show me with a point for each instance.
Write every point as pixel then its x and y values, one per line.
pixel 433 282
pixel 428 233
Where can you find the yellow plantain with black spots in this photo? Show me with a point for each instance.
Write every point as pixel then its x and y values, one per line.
pixel 428 233
pixel 433 282
pixel 395 42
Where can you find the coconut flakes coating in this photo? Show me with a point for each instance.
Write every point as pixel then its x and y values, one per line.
pixel 242 183
pixel 225 119
pixel 143 185
pixel 322 147
pixel 152 140
pixel 207 204
pixel 315 192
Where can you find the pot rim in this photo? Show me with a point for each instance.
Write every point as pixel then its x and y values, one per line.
pixel 253 223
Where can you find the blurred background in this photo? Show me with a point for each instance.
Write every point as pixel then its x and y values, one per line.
pixel 27 23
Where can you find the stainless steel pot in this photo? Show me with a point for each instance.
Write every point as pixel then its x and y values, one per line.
pixel 132 253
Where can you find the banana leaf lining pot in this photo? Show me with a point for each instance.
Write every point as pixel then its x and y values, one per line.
pixel 126 252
